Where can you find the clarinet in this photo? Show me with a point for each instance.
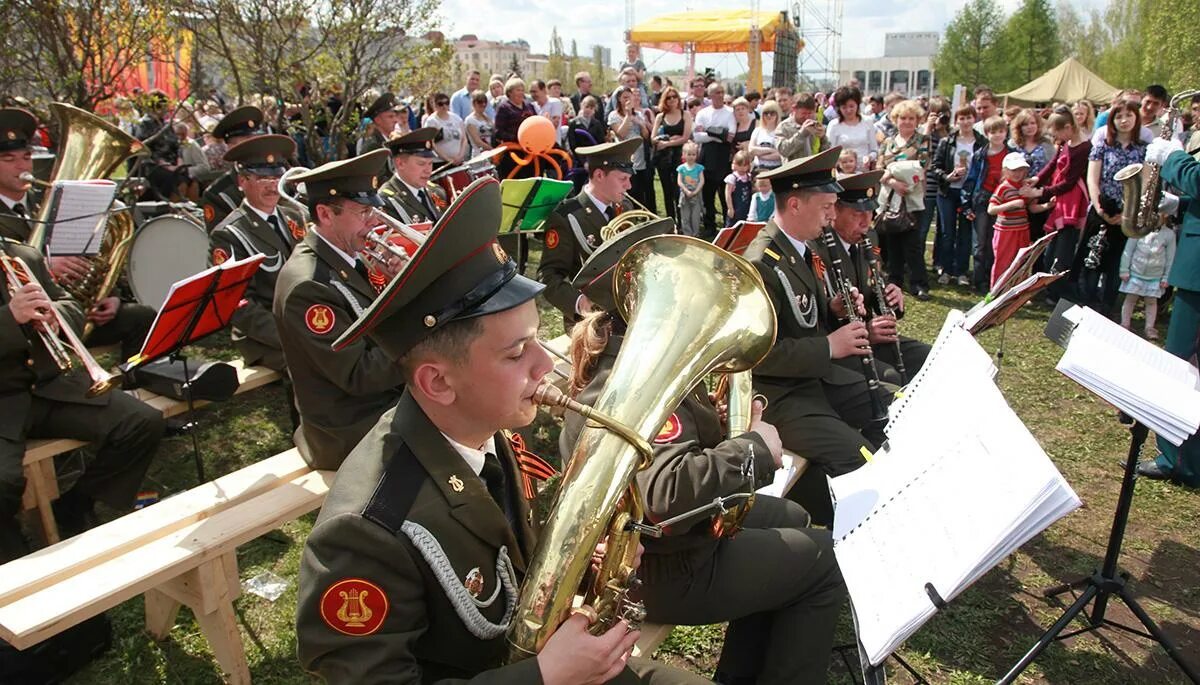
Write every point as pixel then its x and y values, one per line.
pixel 885 309
pixel 841 286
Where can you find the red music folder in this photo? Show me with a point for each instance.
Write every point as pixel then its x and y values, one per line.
pixel 197 306
pixel 737 238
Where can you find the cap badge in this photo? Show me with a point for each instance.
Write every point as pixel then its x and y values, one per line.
pixel 430 320
pixel 428 145
pixel 474 582
pixel 250 123
pixel 501 255
pixel 270 159
pixel 870 192
pixel 333 191
pixel 12 135
pixel 456 483
pixel 374 182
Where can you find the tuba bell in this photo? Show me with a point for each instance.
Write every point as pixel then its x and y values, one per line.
pixel 692 309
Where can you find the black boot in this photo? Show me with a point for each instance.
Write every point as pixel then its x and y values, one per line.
pixel 13 544
pixel 75 512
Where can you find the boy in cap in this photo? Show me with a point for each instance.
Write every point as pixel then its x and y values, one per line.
pixel 798 372
pixel 574 226
pixel 321 289
pixel 223 195
pixel 411 572
pixel 1011 210
pixel 407 194
pixel 259 225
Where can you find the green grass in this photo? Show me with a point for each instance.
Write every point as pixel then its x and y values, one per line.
pixel 984 631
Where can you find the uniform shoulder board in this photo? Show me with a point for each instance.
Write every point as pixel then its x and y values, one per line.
pixel 397 490
pixel 386 190
pixel 770 257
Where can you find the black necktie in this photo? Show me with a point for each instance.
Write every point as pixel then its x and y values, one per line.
pixel 610 212
pixel 424 198
pixel 274 221
pixel 493 478
pixel 808 258
pixel 361 268
pixel 19 209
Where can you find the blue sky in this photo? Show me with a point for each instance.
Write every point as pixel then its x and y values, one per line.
pixel 864 23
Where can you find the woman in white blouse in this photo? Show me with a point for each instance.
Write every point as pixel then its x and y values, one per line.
pixel 851 130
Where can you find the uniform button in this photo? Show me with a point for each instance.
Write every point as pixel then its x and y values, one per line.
pixel 29 362
pixel 33 386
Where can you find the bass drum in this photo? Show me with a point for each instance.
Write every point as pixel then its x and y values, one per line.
pixel 165 249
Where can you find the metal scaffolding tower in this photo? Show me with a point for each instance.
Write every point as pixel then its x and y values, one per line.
pixel 820 25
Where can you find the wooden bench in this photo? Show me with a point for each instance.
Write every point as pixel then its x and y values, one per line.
pixel 180 551
pixel 41 483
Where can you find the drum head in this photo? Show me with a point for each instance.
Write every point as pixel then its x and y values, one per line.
pixel 165 249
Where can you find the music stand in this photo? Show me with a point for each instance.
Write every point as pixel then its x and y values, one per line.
pixel 737 238
pixel 195 307
pixel 1105 582
pixel 525 204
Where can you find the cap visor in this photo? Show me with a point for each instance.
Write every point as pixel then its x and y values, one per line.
pixel 831 187
pixel 868 205
pixel 272 171
pixel 517 291
pixel 370 201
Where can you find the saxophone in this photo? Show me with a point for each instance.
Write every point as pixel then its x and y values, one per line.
pixel 692 309
pixel 1141 184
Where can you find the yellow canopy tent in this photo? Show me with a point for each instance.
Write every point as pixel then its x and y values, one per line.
pixel 715 31
pixel 1064 83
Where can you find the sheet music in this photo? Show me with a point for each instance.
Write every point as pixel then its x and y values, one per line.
pixel 79 216
pixel 957 489
pixel 1021 266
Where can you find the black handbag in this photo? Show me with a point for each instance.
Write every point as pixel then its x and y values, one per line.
pixel 893 221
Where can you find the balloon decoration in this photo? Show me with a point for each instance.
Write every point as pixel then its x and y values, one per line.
pixel 537 136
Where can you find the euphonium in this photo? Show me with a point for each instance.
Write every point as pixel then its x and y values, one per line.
pixel 691 309
pixel 738 390
pixel 105 268
pixel 625 221
pixel 1141 184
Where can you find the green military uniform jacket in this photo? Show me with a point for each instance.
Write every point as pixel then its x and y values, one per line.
pixel 1183 172
pixel 242 234
pixel 339 395
pixel 410 522
pixel 693 462
pixel 26 369
pixel 573 232
pixel 399 202
pixel 799 361
pixel 15 227
pixel 220 198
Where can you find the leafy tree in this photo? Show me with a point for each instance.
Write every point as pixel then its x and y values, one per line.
pixel 1083 39
pixel 1172 60
pixel 967 53
pixel 1029 44
pixel 556 64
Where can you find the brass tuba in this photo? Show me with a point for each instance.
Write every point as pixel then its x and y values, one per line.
pixel 692 309
pixel 90 148
pixel 1141 185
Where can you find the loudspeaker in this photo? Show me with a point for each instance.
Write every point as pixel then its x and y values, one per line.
pixel 212 381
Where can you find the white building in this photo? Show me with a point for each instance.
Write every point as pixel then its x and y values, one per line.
pixel 906 66
pixel 490 56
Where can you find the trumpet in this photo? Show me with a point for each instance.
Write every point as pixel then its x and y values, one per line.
pixel 380 248
pixel 17 273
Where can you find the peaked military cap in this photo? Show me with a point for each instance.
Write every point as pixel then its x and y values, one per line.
pixel 859 190
pixel 459 272
pixel 813 173
pixel 264 155
pixel 17 128
pixel 617 156
pixel 353 179
pixel 595 278
pixel 418 142
pixel 243 121
pixel 381 104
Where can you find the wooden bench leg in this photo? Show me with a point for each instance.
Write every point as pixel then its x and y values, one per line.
pixel 209 591
pixel 41 488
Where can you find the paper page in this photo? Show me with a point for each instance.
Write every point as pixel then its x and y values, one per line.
pixel 1021 267
pixel 79 217
pixel 1108 331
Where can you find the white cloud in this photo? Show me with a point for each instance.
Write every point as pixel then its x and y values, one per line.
pixel 864 24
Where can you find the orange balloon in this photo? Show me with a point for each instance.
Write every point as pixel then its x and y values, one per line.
pixel 536 134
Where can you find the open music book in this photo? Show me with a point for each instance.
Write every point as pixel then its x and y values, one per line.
pixel 1158 389
pixel 1021 267
pixel 960 484
pixel 78 215
pixel 993 311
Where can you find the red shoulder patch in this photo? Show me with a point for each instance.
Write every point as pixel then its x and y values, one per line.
pixel 354 607
pixel 551 239
pixel 319 318
pixel 219 256
pixel 296 228
pixel 210 213
pixel 670 432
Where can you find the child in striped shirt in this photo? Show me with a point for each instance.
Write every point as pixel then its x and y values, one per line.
pixel 1011 208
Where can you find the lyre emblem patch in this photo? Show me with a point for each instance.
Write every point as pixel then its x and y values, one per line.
pixel 354 607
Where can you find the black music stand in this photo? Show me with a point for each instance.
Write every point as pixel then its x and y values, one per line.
pixel 1105 582
pixel 196 307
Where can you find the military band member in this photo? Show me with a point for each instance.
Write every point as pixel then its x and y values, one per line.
pixel 799 370
pixel 320 291
pixel 854 212
pixel 407 195
pixel 116 322
pixel 782 614
pixel 38 400
pixel 223 195
pixel 411 572
pixel 384 116
pixel 260 225
pixel 574 226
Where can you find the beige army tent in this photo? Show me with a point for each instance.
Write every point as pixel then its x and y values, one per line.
pixel 1064 83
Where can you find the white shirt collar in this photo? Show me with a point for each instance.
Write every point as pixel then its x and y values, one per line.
pixel 10 203
pixel 599 205
pixel 351 260
pixel 800 245
pixel 473 457
pixel 412 189
pixel 262 215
